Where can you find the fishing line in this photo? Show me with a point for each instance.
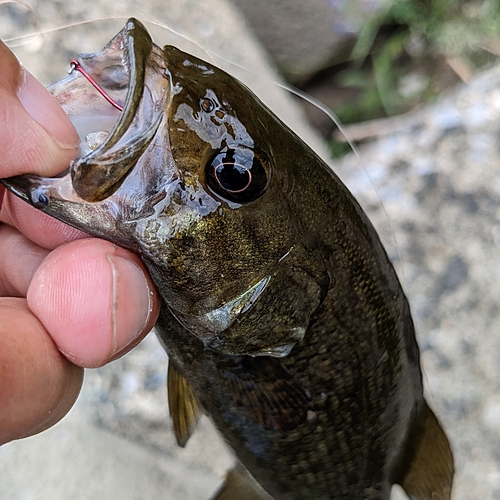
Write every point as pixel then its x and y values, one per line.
pixel 343 130
pixel 21 39
pixel 28 7
pixel 26 38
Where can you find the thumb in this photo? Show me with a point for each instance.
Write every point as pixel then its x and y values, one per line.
pixel 95 299
pixel 36 135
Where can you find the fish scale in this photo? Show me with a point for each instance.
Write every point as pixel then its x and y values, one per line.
pixel 282 317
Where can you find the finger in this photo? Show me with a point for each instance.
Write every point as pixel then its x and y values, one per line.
pixel 37 226
pixel 19 259
pixel 36 136
pixel 38 385
pixel 96 300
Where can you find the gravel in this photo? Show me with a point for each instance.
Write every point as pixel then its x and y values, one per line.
pixel 434 196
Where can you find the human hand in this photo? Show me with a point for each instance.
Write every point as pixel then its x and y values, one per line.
pixel 66 300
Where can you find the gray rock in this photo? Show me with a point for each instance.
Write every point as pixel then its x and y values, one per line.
pixel 435 199
pixel 305 36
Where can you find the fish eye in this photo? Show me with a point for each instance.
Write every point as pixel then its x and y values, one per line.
pixel 237 175
pixel 207 105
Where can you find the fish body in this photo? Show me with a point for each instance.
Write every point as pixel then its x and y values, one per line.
pixel 282 316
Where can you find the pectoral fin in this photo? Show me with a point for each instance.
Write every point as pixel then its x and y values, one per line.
pixel 272 398
pixel 183 406
pixel 428 470
pixel 239 485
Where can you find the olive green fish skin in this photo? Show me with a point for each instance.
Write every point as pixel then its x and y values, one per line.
pixel 357 365
pixel 358 361
pixel 281 311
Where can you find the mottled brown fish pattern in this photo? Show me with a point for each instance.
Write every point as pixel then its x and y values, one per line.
pixel 282 317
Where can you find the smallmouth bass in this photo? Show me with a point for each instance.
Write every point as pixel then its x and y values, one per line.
pixel 282 316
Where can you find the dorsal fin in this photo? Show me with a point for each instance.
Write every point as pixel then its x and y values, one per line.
pixel 428 470
pixel 183 405
pixel 239 485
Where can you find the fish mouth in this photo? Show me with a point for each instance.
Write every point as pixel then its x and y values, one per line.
pixel 112 97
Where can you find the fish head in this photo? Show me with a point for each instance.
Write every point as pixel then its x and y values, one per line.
pixel 180 162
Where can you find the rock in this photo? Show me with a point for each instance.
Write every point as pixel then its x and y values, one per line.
pixel 434 197
pixel 80 461
pixel 305 36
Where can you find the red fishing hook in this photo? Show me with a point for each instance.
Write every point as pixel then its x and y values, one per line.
pixel 75 65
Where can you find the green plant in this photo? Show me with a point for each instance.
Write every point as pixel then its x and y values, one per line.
pixel 415 49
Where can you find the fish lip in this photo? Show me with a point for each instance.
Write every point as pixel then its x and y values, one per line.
pixel 137 46
pixel 30 188
pixel 135 65
pixel 19 185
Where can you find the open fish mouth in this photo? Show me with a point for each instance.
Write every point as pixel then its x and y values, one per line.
pixel 112 97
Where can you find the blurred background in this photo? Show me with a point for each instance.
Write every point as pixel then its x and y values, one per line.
pixel 417 83
pixel 369 59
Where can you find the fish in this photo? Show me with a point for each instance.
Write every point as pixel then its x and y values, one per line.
pixel 282 316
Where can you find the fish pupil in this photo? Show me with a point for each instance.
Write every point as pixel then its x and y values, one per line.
pixel 233 177
pixel 237 175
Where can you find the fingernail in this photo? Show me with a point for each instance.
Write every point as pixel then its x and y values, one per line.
pixel 132 302
pixel 45 110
